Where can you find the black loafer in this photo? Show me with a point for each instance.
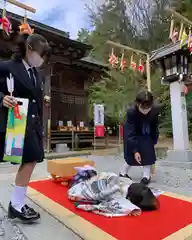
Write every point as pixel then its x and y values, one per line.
pixel 125 176
pixel 27 214
pixel 145 181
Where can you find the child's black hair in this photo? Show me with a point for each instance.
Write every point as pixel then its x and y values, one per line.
pixel 36 41
pixel 145 99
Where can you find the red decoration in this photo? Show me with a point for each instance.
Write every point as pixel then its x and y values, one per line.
pixel 26 29
pixel 17 113
pixel 99 131
pixel 121 130
pixel 6 25
pixel 190 45
pixel 133 66
pixel 185 90
pixel 123 63
pixel 174 36
pixel 113 60
pixel 141 68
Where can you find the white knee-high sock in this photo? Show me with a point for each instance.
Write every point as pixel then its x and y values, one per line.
pixel 125 169
pixel 146 171
pixel 18 197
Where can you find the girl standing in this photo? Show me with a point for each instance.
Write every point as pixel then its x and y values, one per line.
pixel 140 136
pixel 31 53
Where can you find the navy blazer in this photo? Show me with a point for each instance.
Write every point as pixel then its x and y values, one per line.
pixel 134 138
pixel 23 88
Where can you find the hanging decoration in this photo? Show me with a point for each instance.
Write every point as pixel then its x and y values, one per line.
pixel 17 113
pixel 5 22
pixel 175 35
pixel 133 64
pixel 25 27
pixel 123 63
pixel 113 60
pixel 189 45
pixel 185 90
pixel 184 38
pixel 141 66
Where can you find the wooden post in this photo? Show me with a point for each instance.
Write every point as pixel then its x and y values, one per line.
pixel 21 5
pixel 94 140
pixel 119 137
pixel 47 110
pixel 48 136
pixel 148 71
pixel 138 52
pixel 72 145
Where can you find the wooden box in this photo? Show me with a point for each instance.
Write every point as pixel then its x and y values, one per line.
pixel 65 167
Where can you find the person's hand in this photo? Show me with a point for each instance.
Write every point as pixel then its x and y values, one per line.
pixel 9 101
pixel 47 99
pixel 137 157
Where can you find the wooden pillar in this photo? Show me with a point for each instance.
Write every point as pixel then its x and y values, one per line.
pixel 47 109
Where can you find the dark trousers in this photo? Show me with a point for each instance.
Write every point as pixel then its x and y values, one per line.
pixel 2 145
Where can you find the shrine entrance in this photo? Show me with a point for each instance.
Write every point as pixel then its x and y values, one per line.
pixel 67 78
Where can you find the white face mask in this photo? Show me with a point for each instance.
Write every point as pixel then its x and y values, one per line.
pixel 35 60
pixel 144 111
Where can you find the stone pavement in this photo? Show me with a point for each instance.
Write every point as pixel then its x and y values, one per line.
pixel 168 179
pixel 48 228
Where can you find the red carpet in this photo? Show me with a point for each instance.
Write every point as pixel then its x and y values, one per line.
pixel 173 215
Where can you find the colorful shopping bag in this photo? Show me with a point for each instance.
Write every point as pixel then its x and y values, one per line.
pixel 15 133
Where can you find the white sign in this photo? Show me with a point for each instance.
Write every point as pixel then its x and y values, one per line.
pixel 98 114
pixel 81 124
pixel 60 123
pixel 69 123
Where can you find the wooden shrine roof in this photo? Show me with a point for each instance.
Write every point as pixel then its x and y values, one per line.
pixel 90 62
pixel 59 41
pixel 61 35
pixel 165 51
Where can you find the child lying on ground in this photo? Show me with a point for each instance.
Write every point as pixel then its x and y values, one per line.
pixel 104 194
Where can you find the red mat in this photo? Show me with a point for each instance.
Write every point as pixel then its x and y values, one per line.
pixel 173 215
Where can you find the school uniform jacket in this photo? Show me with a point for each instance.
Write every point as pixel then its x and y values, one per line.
pixel 24 88
pixel 140 135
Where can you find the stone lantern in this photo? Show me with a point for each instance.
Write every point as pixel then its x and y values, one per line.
pixel 175 64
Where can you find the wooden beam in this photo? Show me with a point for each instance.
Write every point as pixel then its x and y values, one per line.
pixel 127 48
pixel 179 16
pixel 21 5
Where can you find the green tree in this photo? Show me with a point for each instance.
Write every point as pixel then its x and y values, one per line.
pixel 139 24
pixel 115 91
pixel 83 35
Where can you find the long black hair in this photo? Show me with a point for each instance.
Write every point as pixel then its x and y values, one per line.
pixel 35 41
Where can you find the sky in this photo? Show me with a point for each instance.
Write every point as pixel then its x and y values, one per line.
pixel 66 15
